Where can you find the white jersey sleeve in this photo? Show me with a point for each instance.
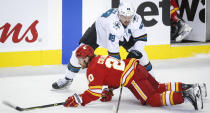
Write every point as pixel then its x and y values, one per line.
pixel 137 27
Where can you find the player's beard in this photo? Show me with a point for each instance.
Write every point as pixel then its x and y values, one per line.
pixel 86 63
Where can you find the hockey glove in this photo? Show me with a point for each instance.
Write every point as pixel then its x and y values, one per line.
pixel 73 101
pixel 106 95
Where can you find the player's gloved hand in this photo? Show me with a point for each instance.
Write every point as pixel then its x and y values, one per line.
pixel 107 94
pixel 73 101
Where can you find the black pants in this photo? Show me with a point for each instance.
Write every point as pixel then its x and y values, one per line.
pixel 90 37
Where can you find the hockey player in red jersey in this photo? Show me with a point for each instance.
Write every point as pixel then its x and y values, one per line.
pixel 112 72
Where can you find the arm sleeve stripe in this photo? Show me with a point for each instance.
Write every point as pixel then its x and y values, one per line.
pixel 141 38
pixel 93 93
pixel 96 90
pixel 95 87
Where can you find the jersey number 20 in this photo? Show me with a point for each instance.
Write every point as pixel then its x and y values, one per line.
pixel 115 63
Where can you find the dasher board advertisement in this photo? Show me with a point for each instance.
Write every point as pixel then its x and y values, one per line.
pixel 24 26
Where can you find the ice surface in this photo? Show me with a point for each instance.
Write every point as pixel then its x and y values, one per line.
pixel 31 86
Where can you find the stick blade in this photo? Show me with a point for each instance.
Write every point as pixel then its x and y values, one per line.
pixel 8 104
pixel 12 106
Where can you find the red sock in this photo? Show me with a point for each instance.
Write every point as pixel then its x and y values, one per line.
pixel 165 99
pixel 173 12
pixel 162 88
pixel 174 17
pixel 171 86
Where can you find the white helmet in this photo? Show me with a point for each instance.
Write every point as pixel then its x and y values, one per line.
pixel 126 9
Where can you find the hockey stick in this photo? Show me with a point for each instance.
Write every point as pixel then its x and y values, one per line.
pixel 31 108
pixel 118 103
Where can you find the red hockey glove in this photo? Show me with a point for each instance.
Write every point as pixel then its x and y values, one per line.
pixel 73 101
pixel 106 95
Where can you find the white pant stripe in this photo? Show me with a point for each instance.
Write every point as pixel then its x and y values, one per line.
pixel 168 103
pixel 173 86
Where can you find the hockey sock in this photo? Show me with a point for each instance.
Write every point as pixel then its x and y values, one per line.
pixel 174 11
pixel 174 17
pixel 171 86
pixel 167 98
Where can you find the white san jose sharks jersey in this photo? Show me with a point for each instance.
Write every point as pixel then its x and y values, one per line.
pixel 110 30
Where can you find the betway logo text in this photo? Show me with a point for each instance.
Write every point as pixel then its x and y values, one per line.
pixel 16 32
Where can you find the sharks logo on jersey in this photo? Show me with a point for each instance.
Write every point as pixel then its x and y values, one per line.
pixel 135 19
pixel 117 25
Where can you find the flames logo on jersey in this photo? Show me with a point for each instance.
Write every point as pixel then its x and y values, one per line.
pixel 90 77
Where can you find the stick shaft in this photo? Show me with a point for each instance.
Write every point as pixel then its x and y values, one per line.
pixel 43 106
pixel 118 103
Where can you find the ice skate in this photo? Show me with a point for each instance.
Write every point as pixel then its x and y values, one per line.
pixel 185 29
pixel 199 96
pixel 61 83
pixel 194 96
pixel 203 89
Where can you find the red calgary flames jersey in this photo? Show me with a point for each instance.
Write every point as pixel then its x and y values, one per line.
pixel 106 70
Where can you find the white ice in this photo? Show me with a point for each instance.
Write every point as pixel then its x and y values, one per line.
pixel 31 86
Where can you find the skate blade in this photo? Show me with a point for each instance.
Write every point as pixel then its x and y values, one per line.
pixel 199 98
pixel 203 89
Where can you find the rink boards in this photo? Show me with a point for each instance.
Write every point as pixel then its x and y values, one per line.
pixel 48 34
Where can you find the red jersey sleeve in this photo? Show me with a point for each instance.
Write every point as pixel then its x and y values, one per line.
pixel 95 76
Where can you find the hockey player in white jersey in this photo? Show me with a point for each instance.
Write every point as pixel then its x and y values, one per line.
pixel 118 25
